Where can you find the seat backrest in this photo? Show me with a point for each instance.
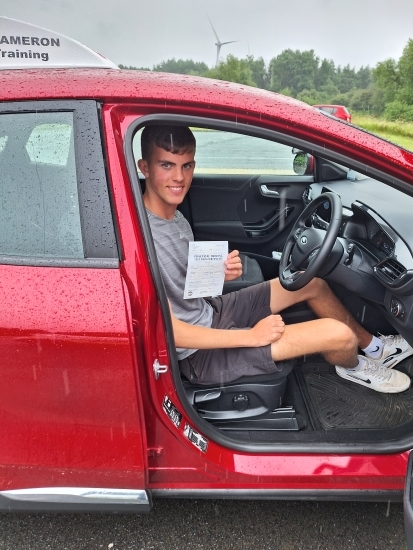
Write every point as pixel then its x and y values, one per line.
pixel 251 275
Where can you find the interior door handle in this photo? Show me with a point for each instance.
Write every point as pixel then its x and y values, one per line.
pixel 269 192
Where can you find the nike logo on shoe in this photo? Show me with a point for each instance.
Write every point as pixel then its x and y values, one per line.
pixel 392 356
pixel 376 350
pixel 368 381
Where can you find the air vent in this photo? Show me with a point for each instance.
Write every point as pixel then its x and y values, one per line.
pixel 390 270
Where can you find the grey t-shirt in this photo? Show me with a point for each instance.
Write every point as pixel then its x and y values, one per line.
pixel 172 239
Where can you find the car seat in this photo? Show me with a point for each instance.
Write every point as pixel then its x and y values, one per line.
pixel 251 275
pixel 245 398
pixel 251 271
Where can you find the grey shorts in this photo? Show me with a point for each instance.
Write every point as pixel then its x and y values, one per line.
pixel 235 311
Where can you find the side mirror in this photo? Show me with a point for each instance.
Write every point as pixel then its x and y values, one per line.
pixel 303 164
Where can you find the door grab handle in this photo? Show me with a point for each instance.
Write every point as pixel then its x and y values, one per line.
pixel 269 192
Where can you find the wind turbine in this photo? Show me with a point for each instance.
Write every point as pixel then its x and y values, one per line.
pixel 218 43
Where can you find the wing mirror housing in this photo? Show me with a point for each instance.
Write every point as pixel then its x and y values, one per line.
pixel 303 163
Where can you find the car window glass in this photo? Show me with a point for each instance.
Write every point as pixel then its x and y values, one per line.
pixel 3 141
pixel 220 152
pixel 50 144
pixel 39 206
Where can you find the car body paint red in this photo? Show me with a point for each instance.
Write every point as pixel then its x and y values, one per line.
pixel 68 393
pixel 102 422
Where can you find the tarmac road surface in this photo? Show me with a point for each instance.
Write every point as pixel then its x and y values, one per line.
pixel 214 524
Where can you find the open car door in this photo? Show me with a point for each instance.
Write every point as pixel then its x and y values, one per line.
pixel 407 504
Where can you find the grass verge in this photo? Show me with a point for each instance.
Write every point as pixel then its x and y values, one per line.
pixel 400 133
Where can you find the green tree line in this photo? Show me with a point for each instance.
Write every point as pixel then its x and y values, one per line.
pixel 385 90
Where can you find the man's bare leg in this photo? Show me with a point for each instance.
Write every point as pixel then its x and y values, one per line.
pixel 333 339
pixel 336 335
pixel 322 301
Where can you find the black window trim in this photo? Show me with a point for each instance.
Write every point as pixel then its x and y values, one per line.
pixel 95 208
pixel 108 179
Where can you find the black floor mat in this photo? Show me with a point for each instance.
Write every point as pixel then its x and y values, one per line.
pixel 334 403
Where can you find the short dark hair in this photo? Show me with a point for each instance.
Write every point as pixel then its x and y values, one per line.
pixel 174 139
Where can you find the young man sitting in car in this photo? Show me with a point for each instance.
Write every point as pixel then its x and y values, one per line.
pixel 208 347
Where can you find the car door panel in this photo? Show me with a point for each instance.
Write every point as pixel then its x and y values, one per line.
pixel 69 412
pixel 67 392
pixel 254 213
pixel 408 504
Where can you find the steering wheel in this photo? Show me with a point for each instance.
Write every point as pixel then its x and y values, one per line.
pixel 307 248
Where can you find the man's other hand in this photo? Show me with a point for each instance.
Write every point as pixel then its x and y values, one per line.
pixel 233 266
pixel 268 330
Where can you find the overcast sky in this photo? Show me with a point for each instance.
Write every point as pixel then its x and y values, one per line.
pixel 146 32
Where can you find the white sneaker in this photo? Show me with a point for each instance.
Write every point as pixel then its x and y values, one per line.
pixel 395 349
pixel 376 377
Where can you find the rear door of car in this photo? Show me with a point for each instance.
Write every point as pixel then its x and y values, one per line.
pixel 69 415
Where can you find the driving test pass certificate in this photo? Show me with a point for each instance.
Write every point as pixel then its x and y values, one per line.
pixel 205 273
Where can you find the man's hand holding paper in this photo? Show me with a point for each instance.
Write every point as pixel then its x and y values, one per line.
pixel 206 268
pixel 233 266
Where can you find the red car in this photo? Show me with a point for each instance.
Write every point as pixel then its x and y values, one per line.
pixel 339 111
pixel 94 412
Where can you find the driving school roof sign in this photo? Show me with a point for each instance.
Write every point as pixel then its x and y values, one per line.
pixel 25 46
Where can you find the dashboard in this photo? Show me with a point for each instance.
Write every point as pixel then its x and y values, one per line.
pixel 376 259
